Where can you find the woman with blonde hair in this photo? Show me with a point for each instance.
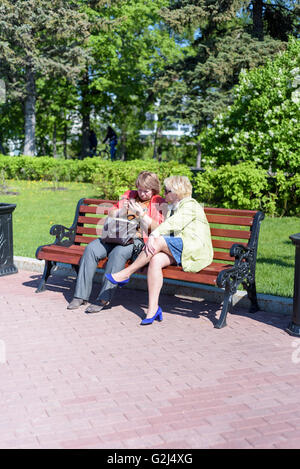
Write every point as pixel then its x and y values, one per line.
pixel 183 239
pixel 147 205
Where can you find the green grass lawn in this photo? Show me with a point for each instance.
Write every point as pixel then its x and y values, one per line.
pixel 39 207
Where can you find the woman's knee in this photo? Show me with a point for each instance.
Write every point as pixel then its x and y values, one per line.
pixel 160 244
pixel 121 252
pixel 160 260
pixel 95 250
pixel 156 262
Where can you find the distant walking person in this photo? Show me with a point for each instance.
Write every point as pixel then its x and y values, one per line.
pixel 111 136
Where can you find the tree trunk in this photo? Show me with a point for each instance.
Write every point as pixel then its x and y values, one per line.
pixel 123 148
pixel 30 120
pixel 85 144
pixel 157 141
pixel 2 151
pixel 54 141
pixel 199 155
pixel 65 137
pixel 258 24
pixel 42 146
pixel 85 114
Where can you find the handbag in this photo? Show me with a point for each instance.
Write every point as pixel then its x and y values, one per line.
pixel 138 246
pixel 120 230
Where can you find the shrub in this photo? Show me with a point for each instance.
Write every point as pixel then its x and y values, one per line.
pixel 110 178
pixel 245 186
pixel 239 186
pixel 114 180
pixel 51 169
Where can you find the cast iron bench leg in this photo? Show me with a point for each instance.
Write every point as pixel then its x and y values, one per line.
pixel 46 273
pixel 251 290
pixel 227 304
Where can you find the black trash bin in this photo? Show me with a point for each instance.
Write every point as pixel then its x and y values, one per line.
pixel 294 326
pixel 6 240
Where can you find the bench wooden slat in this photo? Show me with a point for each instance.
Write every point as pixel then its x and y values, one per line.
pixel 223 256
pixel 212 269
pixel 100 201
pixel 197 278
pixel 207 275
pixel 87 230
pixel 217 243
pixel 219 255
pixel 236 234
pixel 230 211
pixel 221 233
pixel 71 258
pixel 208 210
pixel 99 210
pixel 90 220
pixel 62 254
pixel 229 220
pixel 76 248
pixel 76 251
pixel 66 259
pixel 223 244
pixel 218 232
pixel 85 239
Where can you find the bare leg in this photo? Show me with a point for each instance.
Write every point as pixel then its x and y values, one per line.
pixel 142 260
pixel 155 279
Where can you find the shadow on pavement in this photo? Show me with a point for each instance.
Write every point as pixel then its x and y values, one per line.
pixel 186 307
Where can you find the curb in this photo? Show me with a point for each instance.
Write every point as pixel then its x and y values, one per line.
pixel 267 303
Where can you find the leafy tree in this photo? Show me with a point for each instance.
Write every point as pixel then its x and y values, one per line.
pixel 277 18
pixel 263 123
pixel 132 47
pixel 226 38
pixel 56 112
pixel 39 38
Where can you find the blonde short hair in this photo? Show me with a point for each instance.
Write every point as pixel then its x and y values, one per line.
pixel 180 185
pixel 149 181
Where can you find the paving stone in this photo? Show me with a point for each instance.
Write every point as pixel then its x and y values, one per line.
pixel 71 380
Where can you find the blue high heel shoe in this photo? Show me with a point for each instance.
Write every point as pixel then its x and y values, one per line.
pixel 112 280
pixel 157 316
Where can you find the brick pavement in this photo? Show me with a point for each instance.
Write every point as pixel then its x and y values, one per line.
pixel 71 380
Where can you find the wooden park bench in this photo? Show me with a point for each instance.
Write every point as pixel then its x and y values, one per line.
pixel 234 236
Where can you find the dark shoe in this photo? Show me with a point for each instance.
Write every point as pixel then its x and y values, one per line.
pixel 95 308
pixel 76 303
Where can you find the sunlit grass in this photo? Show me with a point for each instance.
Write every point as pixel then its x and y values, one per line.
pixel 38 208
pixel 276 256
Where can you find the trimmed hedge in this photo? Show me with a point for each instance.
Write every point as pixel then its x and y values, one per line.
pixel 45 168
pixel 111 179
pixel 237 186
pixel 119 176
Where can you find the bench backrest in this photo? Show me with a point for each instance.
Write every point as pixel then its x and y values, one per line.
pixel 228 226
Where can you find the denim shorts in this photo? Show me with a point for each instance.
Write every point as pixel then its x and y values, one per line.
pixel 175 245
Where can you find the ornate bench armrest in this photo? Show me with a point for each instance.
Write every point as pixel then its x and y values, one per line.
pixel 62 232
pixel 244 264
pixel 239 251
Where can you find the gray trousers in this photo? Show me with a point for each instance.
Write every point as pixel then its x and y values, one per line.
pixel 95 251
